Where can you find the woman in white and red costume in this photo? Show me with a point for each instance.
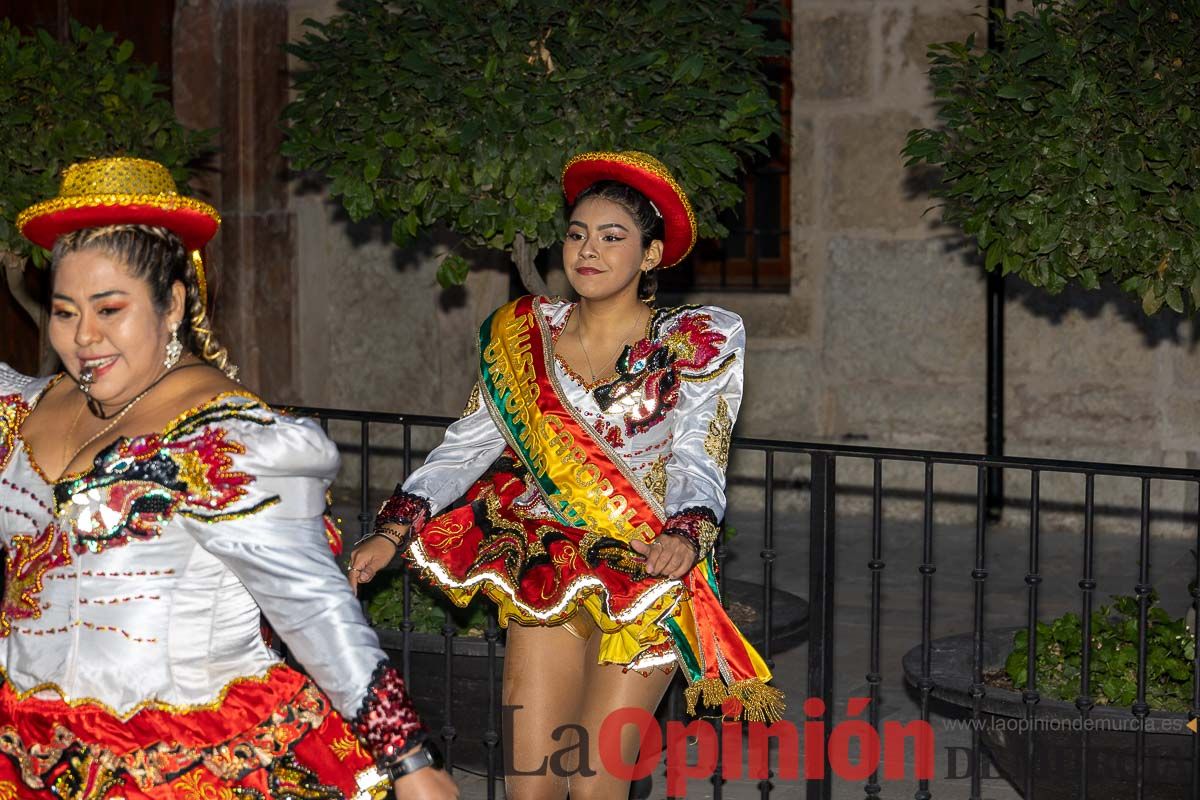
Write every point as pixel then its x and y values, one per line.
pixel 583 487
pixel 150 509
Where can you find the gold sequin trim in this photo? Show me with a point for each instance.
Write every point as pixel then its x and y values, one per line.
pixel 656 479
pixel 716 373
pixel 212 705
pixel 650 164
pixel 720 429
pixel 708 536
pixel 167 202
pixel 117 182
pixel 472 402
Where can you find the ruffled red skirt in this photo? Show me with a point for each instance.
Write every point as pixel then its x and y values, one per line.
pixel 265 739
pixel 505 543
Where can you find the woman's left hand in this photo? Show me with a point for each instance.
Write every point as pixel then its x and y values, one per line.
pixel 668 556
pixel 426 784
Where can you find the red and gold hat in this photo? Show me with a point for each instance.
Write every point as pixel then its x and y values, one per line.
pixel 650 177
pixel 119 191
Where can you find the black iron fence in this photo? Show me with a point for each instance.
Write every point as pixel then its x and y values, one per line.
pixel 1045 748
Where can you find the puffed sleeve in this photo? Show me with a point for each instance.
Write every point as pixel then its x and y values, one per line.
pixel 273 539
pixel 13 382
pixel 15 393
pixel 470 446
pixel 711 379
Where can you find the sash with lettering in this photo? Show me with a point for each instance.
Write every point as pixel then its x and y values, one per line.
pixel 588 486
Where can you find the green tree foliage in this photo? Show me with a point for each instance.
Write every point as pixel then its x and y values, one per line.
pixel 1072 153
pixel 461 113
pixel 71 101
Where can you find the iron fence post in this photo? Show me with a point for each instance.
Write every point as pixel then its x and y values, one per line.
pixel 820 599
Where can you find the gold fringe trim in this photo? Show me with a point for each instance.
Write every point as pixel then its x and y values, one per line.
pixel 712 690
pixel 760 702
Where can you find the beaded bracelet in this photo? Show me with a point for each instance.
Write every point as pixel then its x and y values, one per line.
pixel 698 525
pixel 403 508
pixel 387 721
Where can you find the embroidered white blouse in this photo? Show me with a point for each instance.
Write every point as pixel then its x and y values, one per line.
pixel 139 582
pixel 668 412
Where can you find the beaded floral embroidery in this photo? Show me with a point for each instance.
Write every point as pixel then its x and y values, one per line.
pixel 268 744
pixel 683 346
pixel 137 484
pixel 13 410
pixel 29 559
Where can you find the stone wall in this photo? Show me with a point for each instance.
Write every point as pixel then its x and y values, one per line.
pixel 881 337
pixel 881 340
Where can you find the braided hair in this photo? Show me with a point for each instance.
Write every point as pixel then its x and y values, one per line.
pixel 157 256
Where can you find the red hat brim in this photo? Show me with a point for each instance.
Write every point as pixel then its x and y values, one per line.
pixel 679 220
pixel 194 227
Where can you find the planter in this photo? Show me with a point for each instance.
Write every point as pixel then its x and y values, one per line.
pixel 469 698
pixel 1059 736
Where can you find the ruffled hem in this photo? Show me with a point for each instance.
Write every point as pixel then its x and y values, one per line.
pixel 287 742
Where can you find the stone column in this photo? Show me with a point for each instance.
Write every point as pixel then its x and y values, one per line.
pixel 231 75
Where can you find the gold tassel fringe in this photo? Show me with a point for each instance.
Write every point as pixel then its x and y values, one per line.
pixel 760 702
pixel 709 691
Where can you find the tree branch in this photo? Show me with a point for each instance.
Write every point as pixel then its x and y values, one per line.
pixel 523 255
pixel 14 274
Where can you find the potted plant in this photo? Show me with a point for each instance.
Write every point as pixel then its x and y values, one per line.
pixel 462 115
pixel 1069 153
pixel 63 102
pixel 1059 728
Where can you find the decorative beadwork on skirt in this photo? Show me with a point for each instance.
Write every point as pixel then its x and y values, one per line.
pixel 268 739
pixel 538 571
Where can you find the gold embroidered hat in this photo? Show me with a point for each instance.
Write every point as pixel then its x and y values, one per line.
pixel 650 177
pixel 119 191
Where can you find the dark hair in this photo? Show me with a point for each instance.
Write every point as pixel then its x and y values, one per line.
pixel 158 257
pixel 649 222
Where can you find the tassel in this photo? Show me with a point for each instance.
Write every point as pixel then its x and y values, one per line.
pixel 760 702
pixel 708 691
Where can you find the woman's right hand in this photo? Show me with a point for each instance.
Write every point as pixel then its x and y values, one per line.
pixel 373 555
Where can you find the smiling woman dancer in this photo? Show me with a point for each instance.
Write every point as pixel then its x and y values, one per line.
pixel 149 508
pixel 592 457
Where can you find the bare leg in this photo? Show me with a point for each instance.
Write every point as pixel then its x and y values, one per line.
pixel 543 687
pixel 608 688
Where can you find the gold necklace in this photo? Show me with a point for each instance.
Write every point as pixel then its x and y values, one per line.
pixel 583 347
pixel 109 426
pixel 71 434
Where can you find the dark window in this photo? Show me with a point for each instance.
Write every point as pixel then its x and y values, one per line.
pixel 756 255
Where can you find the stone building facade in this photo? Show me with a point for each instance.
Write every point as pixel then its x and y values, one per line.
pixel 880 339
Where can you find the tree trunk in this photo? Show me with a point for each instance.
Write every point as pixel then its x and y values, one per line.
pixel 523 255
pixel 14 276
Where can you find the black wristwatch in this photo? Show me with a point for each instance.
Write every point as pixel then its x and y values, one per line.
pixel 426 755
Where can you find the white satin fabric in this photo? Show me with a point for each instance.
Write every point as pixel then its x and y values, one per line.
pixel 170 617
pixel 685 447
